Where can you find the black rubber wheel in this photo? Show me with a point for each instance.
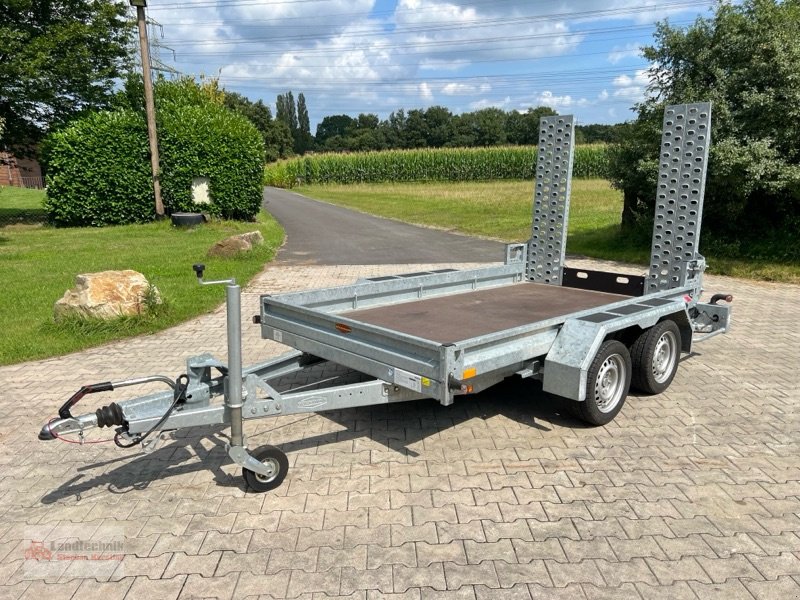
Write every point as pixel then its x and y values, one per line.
pixel 655 355
pixel 607 384
pixel 184 219
pixel 273 458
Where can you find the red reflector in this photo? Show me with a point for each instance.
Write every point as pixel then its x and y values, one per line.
pixel 342 328
pixel 687 298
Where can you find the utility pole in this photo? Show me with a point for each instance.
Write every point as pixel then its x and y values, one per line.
pixel 149 103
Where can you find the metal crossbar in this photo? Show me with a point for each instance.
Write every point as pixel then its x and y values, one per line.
pixel 551 199
pixel 679 202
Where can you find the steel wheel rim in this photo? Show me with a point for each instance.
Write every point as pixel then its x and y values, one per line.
pixel 271 464
pixel 665 357
pixel 609 386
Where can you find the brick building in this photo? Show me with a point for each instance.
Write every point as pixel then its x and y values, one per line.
pixel 20 172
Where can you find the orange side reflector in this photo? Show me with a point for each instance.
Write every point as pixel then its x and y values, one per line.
pixel 342 328
pixel 471 372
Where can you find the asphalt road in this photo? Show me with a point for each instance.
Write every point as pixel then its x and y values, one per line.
pixel 320 233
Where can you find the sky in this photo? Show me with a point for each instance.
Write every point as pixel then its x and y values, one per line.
pixel 578 57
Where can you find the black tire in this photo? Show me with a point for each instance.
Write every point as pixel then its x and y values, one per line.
pixel 272 456
pixel 655 356
pixel 607 384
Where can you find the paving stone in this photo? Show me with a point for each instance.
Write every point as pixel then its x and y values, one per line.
pixel 685 495
pixel 517 592
pixel 685 569
pixel 330 558
pixel 301 582
pixel 252 562
pixel 404 577
pixel 626 591
pixel 181 564
pixel 415 533
pixel 617 573
pixel 679 590
pixel 428 554
pixel 727 590
pixel 512 574
pixel 772 567
pixel 564 574
pixel 465 593
pixel 163 589
pixel 379 579
pixel 783 587
pixel 404 554
pixel 274 585
pixel 221 588
pixel 461 575
pixel 568 592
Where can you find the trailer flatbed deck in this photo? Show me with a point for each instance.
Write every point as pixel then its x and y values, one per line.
pixel 459 317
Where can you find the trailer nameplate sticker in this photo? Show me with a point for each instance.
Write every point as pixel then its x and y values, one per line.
pixel 277 335
pixel 408 380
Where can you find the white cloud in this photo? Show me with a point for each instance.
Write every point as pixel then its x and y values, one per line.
pixel 425 92
pixel 460 89
pixel 619 53
pixel 547 98
pixel 349 56
pixel 488 103
pixel 631 88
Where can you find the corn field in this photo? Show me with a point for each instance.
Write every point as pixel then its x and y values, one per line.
pixel 429 164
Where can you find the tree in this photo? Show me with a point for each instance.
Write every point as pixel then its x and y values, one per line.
pixel 523 128
pixel 489 124
pixel 415 132
pixel 439 126
pixel 258 112
pixel 305 140
pixel 335 125
pixel 746 61
pixel 58 58
pixel 278 141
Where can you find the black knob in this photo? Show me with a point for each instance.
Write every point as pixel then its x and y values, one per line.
pixel 198 270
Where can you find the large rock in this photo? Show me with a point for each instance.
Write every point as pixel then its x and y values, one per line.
pixel 107 295
pixel 235 244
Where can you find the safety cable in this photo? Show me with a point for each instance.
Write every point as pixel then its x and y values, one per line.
pixel 181 385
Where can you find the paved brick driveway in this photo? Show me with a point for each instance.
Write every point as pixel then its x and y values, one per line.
pixel 691 494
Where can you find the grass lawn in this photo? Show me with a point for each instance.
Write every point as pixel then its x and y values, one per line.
pixel 502 210
pixel 38 263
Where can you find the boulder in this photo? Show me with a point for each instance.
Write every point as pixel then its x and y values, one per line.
pixel 235 244
pixel 107 295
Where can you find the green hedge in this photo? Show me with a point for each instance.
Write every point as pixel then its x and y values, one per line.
pixel 98 168
pixel 98 171
pixel 440 164
pixel 214 142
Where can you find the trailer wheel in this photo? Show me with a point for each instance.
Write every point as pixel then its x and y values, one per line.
pixel 655 355
pixel 273 458
pixel 607 384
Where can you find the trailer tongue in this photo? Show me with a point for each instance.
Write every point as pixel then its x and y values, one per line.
pixel 587 335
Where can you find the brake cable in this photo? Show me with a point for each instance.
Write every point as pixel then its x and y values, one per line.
pixel 179 397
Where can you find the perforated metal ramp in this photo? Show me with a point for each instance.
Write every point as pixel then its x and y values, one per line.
pixel 679 202
pixel 551 199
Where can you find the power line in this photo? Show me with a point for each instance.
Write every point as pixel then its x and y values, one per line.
pixel 577 15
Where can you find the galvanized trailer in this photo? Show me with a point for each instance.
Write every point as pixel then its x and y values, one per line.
pixel 587 335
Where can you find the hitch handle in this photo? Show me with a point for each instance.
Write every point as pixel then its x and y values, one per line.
pixel 717 297
pixel 105 386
